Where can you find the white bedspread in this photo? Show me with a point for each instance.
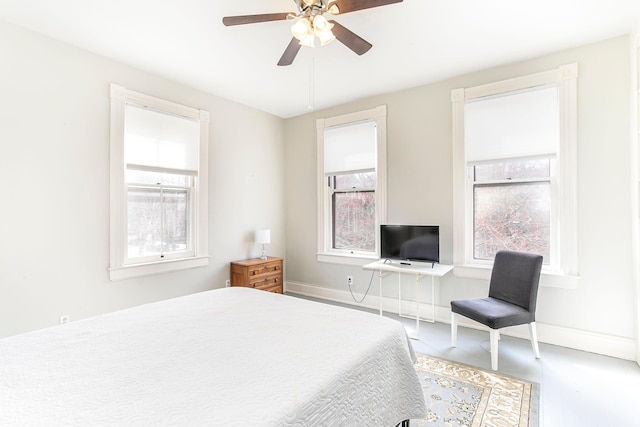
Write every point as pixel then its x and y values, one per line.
pixel 228 357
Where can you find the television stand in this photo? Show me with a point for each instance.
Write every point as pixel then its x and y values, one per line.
pixel 436 270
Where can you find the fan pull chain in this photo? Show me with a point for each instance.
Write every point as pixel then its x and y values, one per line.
pixel 312 76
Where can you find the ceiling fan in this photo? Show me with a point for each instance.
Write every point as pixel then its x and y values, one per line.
pixel 310 23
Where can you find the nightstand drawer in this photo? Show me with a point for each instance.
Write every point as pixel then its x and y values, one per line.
pixel 266 269
pixel 276 289
pixel 266 282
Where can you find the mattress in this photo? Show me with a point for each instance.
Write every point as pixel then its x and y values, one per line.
pixel 232 357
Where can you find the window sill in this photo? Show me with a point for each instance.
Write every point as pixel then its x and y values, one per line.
pixel 548 279
pixel 347 259
pixel 148 269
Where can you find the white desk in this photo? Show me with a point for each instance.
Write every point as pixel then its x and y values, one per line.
pixel 438 270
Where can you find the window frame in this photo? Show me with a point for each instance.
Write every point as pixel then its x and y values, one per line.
pixel 120 267
pixel 325 252
pixel 564 272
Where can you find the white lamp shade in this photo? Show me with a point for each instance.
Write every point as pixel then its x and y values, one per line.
pixel 263 236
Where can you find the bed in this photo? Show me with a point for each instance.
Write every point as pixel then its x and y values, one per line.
pixel 227 357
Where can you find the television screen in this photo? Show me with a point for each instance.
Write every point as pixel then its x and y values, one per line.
pixel 410 242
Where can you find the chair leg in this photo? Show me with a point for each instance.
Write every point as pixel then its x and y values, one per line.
pixel 534 339
pixel 494 336
pixel 454 329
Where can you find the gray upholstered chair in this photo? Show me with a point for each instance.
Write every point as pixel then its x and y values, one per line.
pixel 513 291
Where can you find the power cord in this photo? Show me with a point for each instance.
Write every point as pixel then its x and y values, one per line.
pixel 366 292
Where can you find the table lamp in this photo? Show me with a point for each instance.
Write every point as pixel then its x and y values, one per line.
pixel 263 237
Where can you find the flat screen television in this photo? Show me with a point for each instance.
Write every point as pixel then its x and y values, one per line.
pixel 406 243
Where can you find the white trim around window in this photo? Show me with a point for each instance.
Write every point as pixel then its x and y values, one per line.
pixel 120 267
pixel 325 252
pixel 564 273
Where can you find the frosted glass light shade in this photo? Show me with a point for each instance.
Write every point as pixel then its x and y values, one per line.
pixel 326 37
pixel 302 29
pixel 320 24
pixel 308 41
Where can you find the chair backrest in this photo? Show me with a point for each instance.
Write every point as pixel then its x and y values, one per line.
pixel 515 278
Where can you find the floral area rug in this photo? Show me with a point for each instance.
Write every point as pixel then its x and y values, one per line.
pixel 461 395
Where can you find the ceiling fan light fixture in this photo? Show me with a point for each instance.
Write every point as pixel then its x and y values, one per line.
pixel 322 29
pixel 320 24
pixel 326 38
pixel 308 41
pixel 302 29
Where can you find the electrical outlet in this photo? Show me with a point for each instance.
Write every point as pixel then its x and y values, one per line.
pixel 65 319
pixel 227 283
pixel 349 280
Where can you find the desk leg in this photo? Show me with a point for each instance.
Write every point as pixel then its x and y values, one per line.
pixel 417 308
pixel 380 294
pixel 399 294
pixel 433 299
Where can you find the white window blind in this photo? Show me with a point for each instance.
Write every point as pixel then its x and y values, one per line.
pixel 160 142
pixel 350 148
pixel 517 124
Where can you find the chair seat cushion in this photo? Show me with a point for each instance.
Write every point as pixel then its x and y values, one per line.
pixel 492 312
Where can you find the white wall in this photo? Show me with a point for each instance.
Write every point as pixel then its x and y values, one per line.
pixel 599 315
pixel 54 170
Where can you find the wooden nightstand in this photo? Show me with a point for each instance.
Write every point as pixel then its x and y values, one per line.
pixel 263 274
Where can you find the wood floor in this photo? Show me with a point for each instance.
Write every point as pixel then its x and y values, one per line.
pixel 577 389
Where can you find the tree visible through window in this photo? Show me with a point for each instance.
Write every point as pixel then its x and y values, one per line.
pixel 158 213
pixel 354 211
pixel 512 208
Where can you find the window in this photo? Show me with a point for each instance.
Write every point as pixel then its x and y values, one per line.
pixel 158 182
pixel 351 184
pixel 515 170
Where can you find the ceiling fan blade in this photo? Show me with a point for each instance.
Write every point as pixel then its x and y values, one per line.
pixel 253 19
pixel 347 6
pixel 290 53
pixel 350 39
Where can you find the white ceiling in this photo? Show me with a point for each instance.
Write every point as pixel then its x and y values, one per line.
pixel 414 42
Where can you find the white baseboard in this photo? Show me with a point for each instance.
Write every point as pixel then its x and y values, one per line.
pixel 608 345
